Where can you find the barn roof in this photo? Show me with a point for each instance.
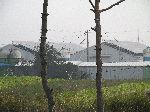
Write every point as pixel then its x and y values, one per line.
pixel 129 47
pixel 134 47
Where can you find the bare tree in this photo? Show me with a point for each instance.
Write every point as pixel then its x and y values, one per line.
pixel 97 29
pixel 48 91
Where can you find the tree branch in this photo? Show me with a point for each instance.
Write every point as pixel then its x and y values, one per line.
pixel 94 29
pixel 92 10
pixel 92 4
pixel 117 3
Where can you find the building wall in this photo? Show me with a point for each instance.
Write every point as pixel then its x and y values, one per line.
pixel 109 55
pixel 115 73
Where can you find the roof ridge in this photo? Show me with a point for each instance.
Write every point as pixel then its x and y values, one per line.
pixel 129 51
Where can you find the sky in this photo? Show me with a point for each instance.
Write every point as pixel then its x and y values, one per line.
pixel 20 20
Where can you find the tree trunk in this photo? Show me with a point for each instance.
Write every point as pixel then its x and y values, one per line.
pixel 47 90
pixel 100 107
pixel 97 29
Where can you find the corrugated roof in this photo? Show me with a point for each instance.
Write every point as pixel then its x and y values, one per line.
pixel 135 47
pixel 86 64
pixel 68 46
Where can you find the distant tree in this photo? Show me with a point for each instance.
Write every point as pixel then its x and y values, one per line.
pixel 57 67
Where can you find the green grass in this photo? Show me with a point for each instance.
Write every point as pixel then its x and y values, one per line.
pixel 21 94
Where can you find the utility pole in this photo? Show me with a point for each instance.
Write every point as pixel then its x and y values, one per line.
pixel 87 34
pixel 48 91
pixel 138 39
pixel 97 29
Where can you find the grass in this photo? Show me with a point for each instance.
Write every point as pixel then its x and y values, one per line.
pixel 25 93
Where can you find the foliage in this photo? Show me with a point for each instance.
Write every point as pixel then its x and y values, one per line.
pixel 57 66
pixel 25 94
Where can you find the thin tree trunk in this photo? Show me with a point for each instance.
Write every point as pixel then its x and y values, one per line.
pixel 47 90
pixel 100 107
pixel 97 29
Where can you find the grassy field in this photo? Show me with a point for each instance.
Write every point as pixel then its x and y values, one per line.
pixel 25 94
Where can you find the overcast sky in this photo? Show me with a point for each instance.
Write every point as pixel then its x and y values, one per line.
pixel 20 20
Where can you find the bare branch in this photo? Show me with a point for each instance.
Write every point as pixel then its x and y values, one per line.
pixel 94 29
pixel 92 4
pixel 92 10
pixel 117 3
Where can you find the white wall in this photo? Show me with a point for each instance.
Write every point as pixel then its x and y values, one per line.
pixel 115 73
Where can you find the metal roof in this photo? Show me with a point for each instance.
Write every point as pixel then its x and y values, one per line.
pixel 93 64
pixel 135 47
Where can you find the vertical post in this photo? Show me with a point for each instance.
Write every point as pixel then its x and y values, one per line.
pixel 87 32
pixel 43 37
pixel 100 107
